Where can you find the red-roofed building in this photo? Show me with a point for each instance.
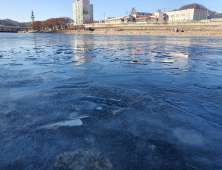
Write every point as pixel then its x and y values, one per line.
pixel 146 18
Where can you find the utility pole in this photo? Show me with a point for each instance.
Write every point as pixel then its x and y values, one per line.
pixel 126 12
pixel 104 17
pixel 207 13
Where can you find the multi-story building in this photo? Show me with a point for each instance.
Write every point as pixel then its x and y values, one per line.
pixel 186 14
pixel 82 12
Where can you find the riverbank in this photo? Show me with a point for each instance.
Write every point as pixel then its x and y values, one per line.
pixel 143 32
pixel 185 29
pixel 35 31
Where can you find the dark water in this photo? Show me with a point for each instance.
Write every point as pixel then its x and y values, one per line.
pixel 144 102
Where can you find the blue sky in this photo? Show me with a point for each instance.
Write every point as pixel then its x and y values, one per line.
pixel 20 10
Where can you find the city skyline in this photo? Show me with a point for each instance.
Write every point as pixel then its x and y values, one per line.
pixel 21 10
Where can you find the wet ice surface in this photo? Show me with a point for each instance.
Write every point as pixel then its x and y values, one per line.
pixel 144 102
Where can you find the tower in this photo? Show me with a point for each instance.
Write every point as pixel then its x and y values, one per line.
pixel 33 17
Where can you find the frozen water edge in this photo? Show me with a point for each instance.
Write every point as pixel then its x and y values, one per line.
pixel 153 116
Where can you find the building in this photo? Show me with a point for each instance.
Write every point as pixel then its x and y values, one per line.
pixel 219 15
pixel 144 17
pixel 134 17
pixel 189 12
pixel 113 20
pixel 186 15
pixel 129 19
pixel 160 15
pixel 82 12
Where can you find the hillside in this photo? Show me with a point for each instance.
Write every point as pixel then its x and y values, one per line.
pixel 9 22
pixel 196 6
pixel 5 23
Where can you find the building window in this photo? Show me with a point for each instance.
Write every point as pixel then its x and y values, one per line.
pixel 172 16
pixel 177 15
pixel 183 15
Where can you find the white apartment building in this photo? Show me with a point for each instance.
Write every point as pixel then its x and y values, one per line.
pixel 82 12
pixel 186 14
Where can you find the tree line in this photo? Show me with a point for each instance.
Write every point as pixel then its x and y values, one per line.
pixel 52 23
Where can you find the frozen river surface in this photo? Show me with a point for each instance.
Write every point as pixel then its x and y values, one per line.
pixel 143 102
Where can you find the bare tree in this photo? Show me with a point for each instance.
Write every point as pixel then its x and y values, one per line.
pixel 52 23
pixel 88 21
pixel 36 25
pixel 67 21
pixel 43 25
